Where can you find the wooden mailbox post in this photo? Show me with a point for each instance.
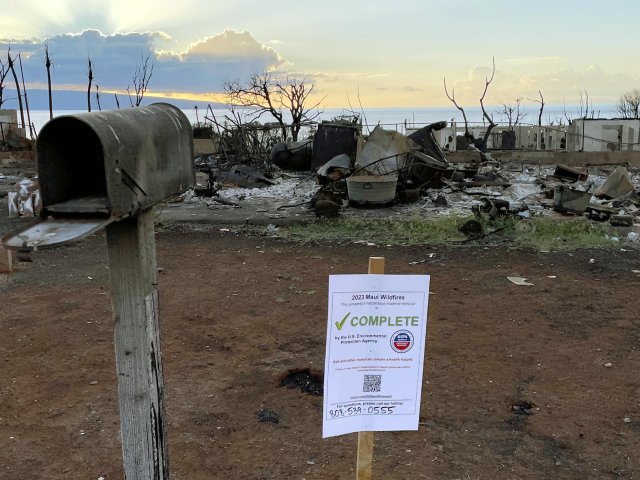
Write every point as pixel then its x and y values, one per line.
pixel 108 169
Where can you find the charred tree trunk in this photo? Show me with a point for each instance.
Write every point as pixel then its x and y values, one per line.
pixel 487 82
pixel 26 99
pixel 541 109
pixel 479 144
pixel 89 87
pixel 98 98
pixel 15 78
pixel 47 63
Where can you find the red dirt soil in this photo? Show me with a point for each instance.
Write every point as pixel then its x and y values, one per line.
pixel 516 382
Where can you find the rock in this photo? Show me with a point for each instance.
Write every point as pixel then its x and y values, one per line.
pixel 440 201
pixel 268 416
pixel 327 209
pixel 626 420
pixel 608 364
pixel 471 228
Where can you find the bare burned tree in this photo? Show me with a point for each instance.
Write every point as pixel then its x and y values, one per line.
pixel 512 113
pixel 264 93
pixel 4 71
pixel 541 102
pixel 487 82
pixel 452 97
pixel 15 78
pixel 26 98
pixel 481 144
pixel 556 120
pixel 295 95
pixel 567 116
pixel 585 109
pixel 90 75
pixel 538 135
pixel 140 79
pixel 117 101
pixel 98 98
pixel 48 64
pixel 629 105
pixel 258 95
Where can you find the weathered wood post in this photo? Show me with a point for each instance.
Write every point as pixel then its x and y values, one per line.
pixel 134 296
pixel 108 169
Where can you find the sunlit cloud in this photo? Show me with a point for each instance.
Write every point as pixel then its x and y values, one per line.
pixel 232 45
pixel 198 70
pixel 211 97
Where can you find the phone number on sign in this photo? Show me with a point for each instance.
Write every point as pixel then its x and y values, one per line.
pixel 348 411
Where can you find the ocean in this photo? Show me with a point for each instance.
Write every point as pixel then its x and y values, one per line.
pixel 398 118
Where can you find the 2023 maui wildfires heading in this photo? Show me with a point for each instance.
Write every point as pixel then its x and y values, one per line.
pixel 381 296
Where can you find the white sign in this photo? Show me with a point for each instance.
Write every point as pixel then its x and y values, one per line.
pixel 376 337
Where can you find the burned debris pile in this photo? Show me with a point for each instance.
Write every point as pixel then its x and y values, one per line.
pixel 339 170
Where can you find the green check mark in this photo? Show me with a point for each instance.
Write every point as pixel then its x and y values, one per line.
pixel 340 324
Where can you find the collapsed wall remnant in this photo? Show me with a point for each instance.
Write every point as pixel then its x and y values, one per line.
pixel 332 139
pixel 616 185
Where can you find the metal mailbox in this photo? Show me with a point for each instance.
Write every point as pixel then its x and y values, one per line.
pixel 100 167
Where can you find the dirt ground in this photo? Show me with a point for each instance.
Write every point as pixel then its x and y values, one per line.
pixel 520 382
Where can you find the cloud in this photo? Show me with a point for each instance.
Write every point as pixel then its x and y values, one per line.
pixel 232 45
pixel 531 60
pixel 202 67
pixel 558 83
pixel 209 62
pixel 332 77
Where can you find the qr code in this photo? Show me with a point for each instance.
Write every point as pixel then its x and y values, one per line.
pixel 372 383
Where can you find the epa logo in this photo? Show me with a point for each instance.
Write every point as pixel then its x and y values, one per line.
pixel 402 341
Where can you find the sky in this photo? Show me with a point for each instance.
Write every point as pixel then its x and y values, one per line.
pixel 355 53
